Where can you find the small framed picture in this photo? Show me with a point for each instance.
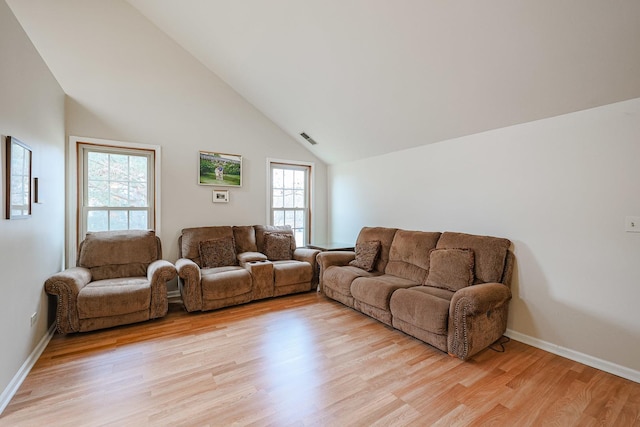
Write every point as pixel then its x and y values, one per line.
pixel 220 196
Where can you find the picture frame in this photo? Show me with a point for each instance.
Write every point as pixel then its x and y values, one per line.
pixel 18 189
pixel 220 196
pixel 220 169
pixel 36 191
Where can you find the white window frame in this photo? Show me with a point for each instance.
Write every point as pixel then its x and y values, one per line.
pixel 311 182
pixel 84 150
pixel 75 192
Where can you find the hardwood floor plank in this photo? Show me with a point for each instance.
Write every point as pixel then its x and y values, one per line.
pixel 498 415
pixel 303 360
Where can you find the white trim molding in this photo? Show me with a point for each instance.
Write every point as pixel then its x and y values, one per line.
pixel 312 184
pixel 72 186
pixel 576 356
pixel 21 375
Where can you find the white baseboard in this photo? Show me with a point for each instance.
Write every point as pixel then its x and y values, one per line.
pixel 19 377
pixel 174 294
pixel 594 362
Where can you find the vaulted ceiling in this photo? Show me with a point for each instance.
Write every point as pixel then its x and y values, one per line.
pixel 366 77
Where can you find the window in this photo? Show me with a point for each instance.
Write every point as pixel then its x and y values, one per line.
pixel 116 188
pixel 290 198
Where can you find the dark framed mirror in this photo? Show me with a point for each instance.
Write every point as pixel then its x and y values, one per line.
pixel 18 180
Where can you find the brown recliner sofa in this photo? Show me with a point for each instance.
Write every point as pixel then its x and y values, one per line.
pixel 450 290
pixel 221 266
pixel 119 279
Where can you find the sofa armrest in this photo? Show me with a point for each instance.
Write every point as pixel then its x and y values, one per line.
pixel 190 286
pixel 309 255
pixel 66 285
pixel 477 318
pixel 306 254
pixel 245 257
pixel 332 258
pixel 339 258
pixel 159 273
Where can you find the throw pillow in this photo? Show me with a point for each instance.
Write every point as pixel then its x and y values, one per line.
pixel 278 246
pixel 217 252
pixel 450 269
pixel 366 255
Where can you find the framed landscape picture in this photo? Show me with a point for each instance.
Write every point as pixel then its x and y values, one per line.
pixel 220 169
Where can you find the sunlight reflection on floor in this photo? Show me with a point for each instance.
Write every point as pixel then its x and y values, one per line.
pixel 292 378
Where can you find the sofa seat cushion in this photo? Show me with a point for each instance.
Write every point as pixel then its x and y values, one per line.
pixel 225 282
pixel 291 272
pixel 339 278
pixel 114 297
pixel 376 291
pixel 424 307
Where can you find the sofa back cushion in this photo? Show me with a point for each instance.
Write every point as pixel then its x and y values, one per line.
pixel 280 229
pixel 115 254
pixel 245 236
pixel 409 254
pixel 385 236
pixel 490 253
pixel 190 239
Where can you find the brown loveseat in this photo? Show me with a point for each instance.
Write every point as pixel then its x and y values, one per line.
pixel 119 279
pixel 221 266
pixel 450 290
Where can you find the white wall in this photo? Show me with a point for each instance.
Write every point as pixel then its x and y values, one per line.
pixel 559 188
pixel 32 110
pixel 127 81
pixel 168 98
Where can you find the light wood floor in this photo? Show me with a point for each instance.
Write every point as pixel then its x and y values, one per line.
pixel 304 360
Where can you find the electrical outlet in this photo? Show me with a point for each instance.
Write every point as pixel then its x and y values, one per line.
pixel 34 317
pixel 632 224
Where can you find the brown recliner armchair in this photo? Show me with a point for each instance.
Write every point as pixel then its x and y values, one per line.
pixel 119 279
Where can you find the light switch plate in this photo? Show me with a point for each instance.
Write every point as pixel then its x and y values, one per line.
pixel 632 224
